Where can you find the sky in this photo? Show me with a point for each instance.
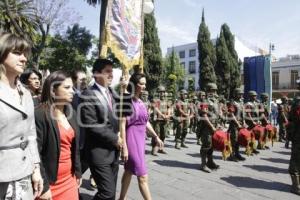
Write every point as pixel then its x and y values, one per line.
pixel 254 22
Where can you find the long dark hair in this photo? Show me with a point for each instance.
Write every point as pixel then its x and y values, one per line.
pixel 53 81
pixel 133 81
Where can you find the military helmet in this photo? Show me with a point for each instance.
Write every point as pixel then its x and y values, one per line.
pixel 183 91
pixel 252 93
pixel 211 86
pixel 238 91
pixel 264 94
pixel 201 93
pixel 161 88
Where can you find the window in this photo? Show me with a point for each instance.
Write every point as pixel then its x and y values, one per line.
pixel 181 54
pixel 275 80
pixel 192 52
pixel 192 67
pixel 182 64
pixel 294 77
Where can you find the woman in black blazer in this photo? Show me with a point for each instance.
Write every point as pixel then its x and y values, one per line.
pixel 58 138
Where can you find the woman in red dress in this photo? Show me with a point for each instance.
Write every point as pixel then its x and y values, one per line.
pixel 58 139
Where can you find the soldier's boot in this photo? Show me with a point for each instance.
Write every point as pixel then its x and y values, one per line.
pixel 154 151
pixel 211 164
pixel 203 165
pixel 232 158
pixel 183 143
pixel 287 144
pixel 237 153
pixel 177 144
pixel 295 184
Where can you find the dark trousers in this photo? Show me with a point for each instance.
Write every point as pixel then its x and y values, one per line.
pixel 3 190
pixel 105 177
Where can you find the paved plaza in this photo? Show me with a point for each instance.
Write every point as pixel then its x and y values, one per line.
pixel 176 176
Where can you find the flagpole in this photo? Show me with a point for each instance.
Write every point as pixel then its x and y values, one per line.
pixel 103 15
pixel 142 39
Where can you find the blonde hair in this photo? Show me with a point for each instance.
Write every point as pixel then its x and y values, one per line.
pixel 10 42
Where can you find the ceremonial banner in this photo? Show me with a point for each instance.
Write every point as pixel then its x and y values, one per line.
pixel 123 31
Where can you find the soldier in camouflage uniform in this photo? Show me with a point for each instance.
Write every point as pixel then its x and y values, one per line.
pixel 282 119
pixel 182 116
pixel 265 113
pixel 201 101
pixel 252 113
pixel 236 122
pixel 209 117
pixel 162 115
pixel 293 130
pixel 193 120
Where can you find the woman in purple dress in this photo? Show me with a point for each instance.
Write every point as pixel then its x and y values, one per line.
pixel 133 132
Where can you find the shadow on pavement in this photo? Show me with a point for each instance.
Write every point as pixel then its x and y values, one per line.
pixel 197 155
pixel 175 163
pixel 276 160
pixel 265 168
pixel 248 182
pixel 283 152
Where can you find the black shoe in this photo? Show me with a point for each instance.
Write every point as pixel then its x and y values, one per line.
pixel 184 145
pixel 240 157
pixel 232 158
pixel 266 147
pixel 213 166
pixel 255 151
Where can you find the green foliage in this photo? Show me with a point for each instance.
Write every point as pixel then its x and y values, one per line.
pixel 18 17
pixel 172 67
pixel 223 66
pixel 69 51
pixel 152 53
pixel 191 85
pixel 207 57
pixel 232 60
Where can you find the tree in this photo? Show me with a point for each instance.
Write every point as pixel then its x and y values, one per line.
pixel 51 15
pixel 18 17
pixel 191 85
pixel 235 72
pixel 152 53
pixel 69 51
pixel 207 57
pixel 223 66
pixel 172 67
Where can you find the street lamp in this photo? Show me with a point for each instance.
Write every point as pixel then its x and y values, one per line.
pixel 271 48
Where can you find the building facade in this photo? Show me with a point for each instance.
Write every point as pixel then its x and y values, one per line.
pixel 285 72
pixel 188 55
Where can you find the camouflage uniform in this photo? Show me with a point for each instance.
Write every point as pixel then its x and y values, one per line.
pixel 182 115
pixel 200 104
pixel 193 120
pixel 252 114
pixel 293 130
pixel 264 114
pixel 283 110
pixel 236 121
pixel 209 116
pixel 161 118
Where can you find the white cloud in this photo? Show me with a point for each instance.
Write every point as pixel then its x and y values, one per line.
pixel 171 33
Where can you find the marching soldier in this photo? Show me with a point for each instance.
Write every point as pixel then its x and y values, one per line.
pixel 182 114
pixel 209 125
pixel 193 120
pixel 200 104
pixel 252 113
pixel 236 122
pixel 162 115
pixel 294 134
pixel 282 119
pixel 264 113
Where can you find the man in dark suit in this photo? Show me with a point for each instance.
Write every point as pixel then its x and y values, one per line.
pixel 102 130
